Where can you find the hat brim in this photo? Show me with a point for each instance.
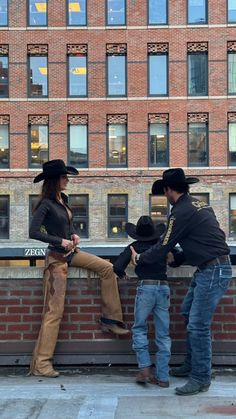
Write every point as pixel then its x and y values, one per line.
pixel 130 229
pixel 69 171
pixel 159 185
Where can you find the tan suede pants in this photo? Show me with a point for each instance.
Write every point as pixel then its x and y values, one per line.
pixel 54 288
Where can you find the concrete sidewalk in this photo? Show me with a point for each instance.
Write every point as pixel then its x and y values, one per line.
pixel 109 393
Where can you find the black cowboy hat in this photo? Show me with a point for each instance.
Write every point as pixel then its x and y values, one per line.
pixel 53 168
pixel 145 229
pixel 171 178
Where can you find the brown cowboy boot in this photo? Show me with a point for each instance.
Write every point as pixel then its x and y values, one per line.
pixel 144 376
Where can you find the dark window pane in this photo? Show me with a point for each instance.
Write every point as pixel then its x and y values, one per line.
pixel 232 144
pixel 77 12
pixel 116 13
pixel 4 217
pixel 158 145
pixel 157 12
pixel 117 148
pixel 232 215
pixel 38 76
pixel 4 146
pixel 38 145
pixel 198 147
pixel 117 210
pixel 33 200
pixel 231 11
pixel 197 11
pixel 78 75
pixel 37 12
pixel 158 209
pixel 3 12
pixel 158 75
pixel 232 73
pixel 117 75
pixel 79 206
pixel 3 76
pixel 78 145
pixel 197 74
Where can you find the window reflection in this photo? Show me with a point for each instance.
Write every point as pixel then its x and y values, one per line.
pixel 197 74
pixel 3 12
pixel 232 143
pixel 38 86
pixel 198 144
pixel 116 12
pixel 159 210
pixel 231 11
pixel 38 12
pixel 78 75
pixel 117 215
pixel 117 147
pixel 158 145
pixel 4 217
pixel 232 72
pixel 197 11
pixel 38 145
pixel 232 216
pixel 3 76
pixel 116 75
pixel 158 74
pixel 4 146
pixel 157 12
pixel 77 12
pixel 79 206
pixel 78 145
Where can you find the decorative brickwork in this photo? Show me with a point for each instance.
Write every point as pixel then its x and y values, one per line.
pixel 158 118
pixel 73 49
pixel 116 49
pixel 117 119
pixel 231 46
pixel 197 117
pixel 77 119
pixel 4 49
pixel 37 49
pixel 157 48
pixel 232 117
pixel 4 119
pixel 38 119
pixel 197 46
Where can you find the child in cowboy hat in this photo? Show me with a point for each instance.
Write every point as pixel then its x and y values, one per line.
pixel 153 296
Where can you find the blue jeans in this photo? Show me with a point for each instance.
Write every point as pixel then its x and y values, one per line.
pixel 207 287
pixel 152 299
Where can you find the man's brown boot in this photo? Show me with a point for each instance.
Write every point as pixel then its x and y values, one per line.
pixel 144 376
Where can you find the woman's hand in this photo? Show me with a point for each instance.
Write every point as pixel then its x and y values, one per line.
pixel 67 244
pixel 76 239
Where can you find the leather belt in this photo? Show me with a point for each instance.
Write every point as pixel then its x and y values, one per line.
pixel 152 282
pixel 216 261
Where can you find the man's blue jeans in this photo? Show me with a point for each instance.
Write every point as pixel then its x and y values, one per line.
pixel 152 299
pixel 207 287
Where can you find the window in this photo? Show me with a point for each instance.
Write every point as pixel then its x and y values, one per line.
pixel 33 200
pixel 4 82
pixel 117 215
pixel 38 76
pixel 203 197
pixel 37 12
pixel 38 141
pixel 198 74
pixel 232 142
pixel 4 217
pixel 158 208
pixel 117 140
pixel 116 12
pixel 3 12
pixel 231 11
pixel 80 208
pixel 157 12
pixel 158 140
pixel 198 144
pixel 116 69
pixel 232 71
pixel 158 69
pixel 197 11
pixel 78 140
pixel 77 70
pixel 4 143
pixel 77 12
pixel 232 216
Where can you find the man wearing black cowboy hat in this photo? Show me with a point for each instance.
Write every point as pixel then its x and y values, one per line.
pixel 194 226
pixel 153 296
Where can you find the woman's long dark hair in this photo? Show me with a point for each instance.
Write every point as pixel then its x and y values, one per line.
pixel 50 189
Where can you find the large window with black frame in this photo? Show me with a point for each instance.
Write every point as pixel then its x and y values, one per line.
pixel 232 138
pixel 197 12
pixel 231 47
pixel 37 71
pixel 231 11
pixel 158 140
pixel 4 141
pixel 232 215
pixel 117 215
pixel 159 208
pixel 38 140
pixel 116 70
pixel 77 70
pixel 116 12
pixel 117 140
pixel 4 216
pixel 4 71
pixel 78 140
pixel 197 69
pixel 33 200
pixel 157 12
pixel 76 13
pixel 80 207
pixel 158 69
pixel 37 13
pixel 198 140
pixel 3 12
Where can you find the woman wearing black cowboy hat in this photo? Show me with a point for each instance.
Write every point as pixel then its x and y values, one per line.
pixel 153 296
pixel 53 223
